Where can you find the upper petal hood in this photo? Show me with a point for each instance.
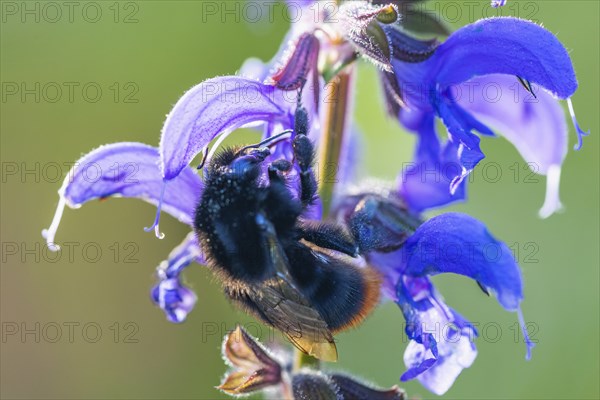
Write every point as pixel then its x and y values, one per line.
pixel 214 107
pixel 460 244
pixel 126 170
pixel 504 45
pixel 497 49
pixel 501 45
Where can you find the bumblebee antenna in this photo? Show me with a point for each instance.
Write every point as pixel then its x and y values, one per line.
pixel 271 141
pixel 213 149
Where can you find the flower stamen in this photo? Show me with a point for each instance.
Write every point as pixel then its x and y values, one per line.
pixel 50 233
pixel 155 226
pixel 528 342
pixel 580 132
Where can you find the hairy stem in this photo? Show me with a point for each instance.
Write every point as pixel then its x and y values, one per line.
pixel 335 123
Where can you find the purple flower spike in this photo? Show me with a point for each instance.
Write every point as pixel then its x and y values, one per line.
pixel 495 77
pixel 125 170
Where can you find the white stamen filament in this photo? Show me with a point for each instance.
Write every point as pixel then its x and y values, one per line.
pixel 578 130
pixel 530 345
pixel 457 180
pixel 157 232
pixel 155 225
pixel 552 202
pixel 50 233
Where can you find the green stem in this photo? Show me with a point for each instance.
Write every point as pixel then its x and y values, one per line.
pixel 335 121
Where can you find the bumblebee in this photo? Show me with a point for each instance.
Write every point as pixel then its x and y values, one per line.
pixel 299 276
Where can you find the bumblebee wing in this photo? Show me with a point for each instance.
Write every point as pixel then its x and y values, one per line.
pixel 287 310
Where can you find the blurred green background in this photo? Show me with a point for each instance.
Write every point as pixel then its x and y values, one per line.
pixel 143 56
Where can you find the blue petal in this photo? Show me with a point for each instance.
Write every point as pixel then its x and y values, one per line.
pixel 174 298
pixel 214 107
pixel 425 313
pixel 181 257
pixel 125 170
pixel 428 146
pixel 300 63
pixel 457 243
pixel 418 360
pixel 504 45
pixel 492 46
pixel 425 183
pixel 441 343
pixel 536 126
pixel 460 127
pixel 438 375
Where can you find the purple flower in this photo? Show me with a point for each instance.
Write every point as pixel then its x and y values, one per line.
pixel 441 341
pixel 218 106
pixel 498 75
pixel 170 294
pixel 162 176
pixel 502 74
pixel 131 170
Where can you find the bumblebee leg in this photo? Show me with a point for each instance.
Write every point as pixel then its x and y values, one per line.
pixel 329 236
pixel 304 153
pixel 277 169
pixel 381 224
pixel 279 203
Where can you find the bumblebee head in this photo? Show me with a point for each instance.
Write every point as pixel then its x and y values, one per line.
pixel 244 162
pixel 236 162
